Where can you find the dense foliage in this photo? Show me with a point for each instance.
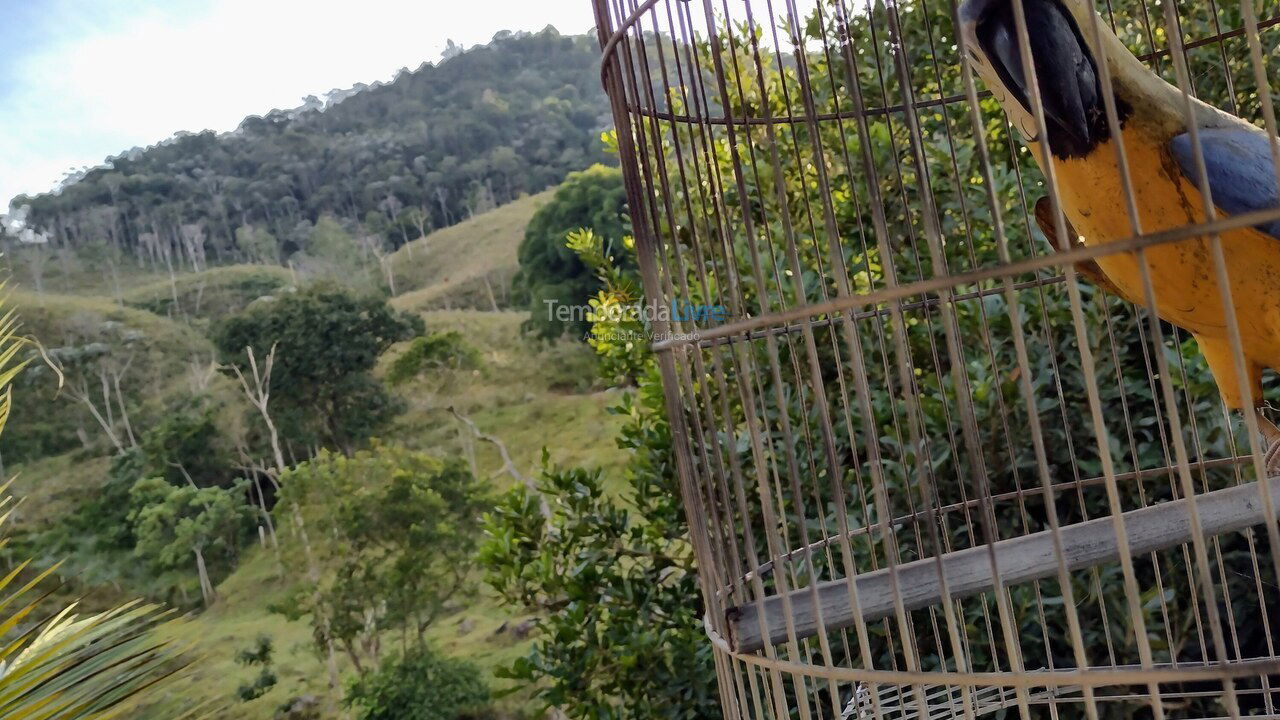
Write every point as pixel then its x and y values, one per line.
pixel 421 684
pixel 186 526
pixel 378 541
pixel 425 150
pixel 611 576
pixel 187 447
pixel 326 342
pixel 550 272
pixel 59 663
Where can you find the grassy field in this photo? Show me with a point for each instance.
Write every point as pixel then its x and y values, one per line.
pixel 528 394
pixel 469 265
pixel 211 294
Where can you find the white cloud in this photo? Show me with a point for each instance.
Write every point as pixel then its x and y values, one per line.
pixel 106 91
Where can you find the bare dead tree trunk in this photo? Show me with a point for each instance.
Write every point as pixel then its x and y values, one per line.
pixel 206 587
pixel 173 282
pixel 200 374
pixel 469 446
pixel 259 395
pixel 313 575
pixel 508 466
pixel 271 526
pixel 391 276
pixel 116 377
pixel 36 264
pixel 81 395
pixel 115 281
pixel 493 301
pixel 107 399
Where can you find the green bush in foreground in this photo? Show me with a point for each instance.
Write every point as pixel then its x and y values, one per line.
pixel 419 685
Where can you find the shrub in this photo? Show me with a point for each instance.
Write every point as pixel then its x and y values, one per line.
pixel 419 685
pixel 106 516
pixel 434 351
pixel 257 655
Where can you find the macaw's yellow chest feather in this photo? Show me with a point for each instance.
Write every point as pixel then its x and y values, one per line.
pixel 1182 273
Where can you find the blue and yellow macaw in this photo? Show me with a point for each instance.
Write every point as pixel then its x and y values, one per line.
pixel 1240 172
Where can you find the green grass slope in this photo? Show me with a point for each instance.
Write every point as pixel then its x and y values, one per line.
pixel 468 265
pixel 46 421
pixel 527 394
pixel 210 294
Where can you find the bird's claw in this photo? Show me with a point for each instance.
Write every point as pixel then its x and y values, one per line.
pixel 1271 459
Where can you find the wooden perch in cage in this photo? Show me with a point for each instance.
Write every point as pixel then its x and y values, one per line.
pixel 968 572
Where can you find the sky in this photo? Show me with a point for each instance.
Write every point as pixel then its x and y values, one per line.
pixel 81 80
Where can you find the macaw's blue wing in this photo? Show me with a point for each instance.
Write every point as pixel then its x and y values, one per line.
pixel 1242 176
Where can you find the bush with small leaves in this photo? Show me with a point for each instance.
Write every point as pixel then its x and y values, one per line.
pixel 419 685
pixel 435 351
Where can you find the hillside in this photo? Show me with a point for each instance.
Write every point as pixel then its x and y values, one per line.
pixel 469 265
pixel 156 359
pixel 211 294
pixel 532 396
pixel 525 395
pixel 431 148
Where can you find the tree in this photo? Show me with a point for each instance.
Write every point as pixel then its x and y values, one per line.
pixel 419 685
pixel 258 245
pixel 331 252
pixel 327 341
pixel 400 529
pixel 549 271
pixel 175 526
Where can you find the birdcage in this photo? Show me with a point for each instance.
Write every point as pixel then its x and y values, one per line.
pixel 963 384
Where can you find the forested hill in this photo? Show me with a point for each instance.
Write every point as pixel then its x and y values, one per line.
pixel 424 151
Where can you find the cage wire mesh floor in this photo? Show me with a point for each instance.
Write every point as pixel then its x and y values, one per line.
pixel 971 431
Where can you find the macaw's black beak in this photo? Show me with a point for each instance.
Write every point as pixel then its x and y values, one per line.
pixel 1066 71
